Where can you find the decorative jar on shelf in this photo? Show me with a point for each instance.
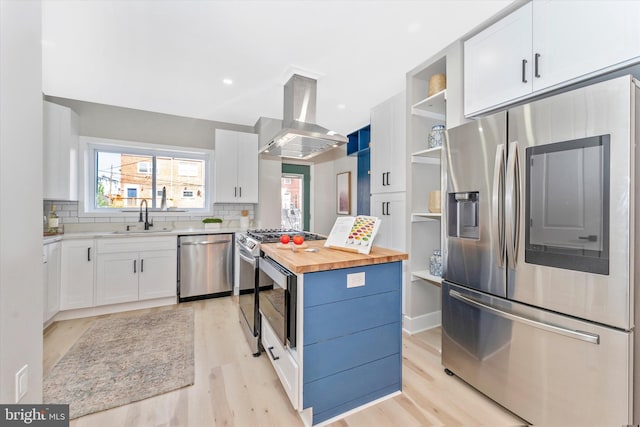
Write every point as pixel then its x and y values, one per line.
pixel 434 201
pixel 435 263
pixel 436 136
pixel 437 83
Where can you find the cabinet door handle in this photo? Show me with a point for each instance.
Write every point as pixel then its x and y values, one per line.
pixel 383 175
pixel 235 191
pixel 537 74
pixel 240 192
pixel 524 71
pixel 89 254
pixel 388 173
pixel 388 204
pixel 142 266
pixel 134 265
pixel 383 203
pixel 271 353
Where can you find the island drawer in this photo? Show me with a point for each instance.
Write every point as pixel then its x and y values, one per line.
pixel 283 362
pixel 325 287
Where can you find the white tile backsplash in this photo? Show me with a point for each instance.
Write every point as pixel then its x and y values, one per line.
pixel 68 212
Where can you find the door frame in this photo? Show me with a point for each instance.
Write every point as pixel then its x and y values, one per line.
pixel 305 171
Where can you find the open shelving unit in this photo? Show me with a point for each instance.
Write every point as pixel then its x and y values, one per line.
pixel 422 299
pixel 425 275
pixel 425 216
pixel 429 156
pixel 432 106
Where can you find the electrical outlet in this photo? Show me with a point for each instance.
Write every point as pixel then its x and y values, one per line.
pixel 22 382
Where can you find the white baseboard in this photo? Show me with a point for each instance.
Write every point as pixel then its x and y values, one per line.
pixel 113 308
pixel 413 325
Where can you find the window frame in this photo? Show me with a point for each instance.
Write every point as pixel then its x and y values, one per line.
pixel 87 188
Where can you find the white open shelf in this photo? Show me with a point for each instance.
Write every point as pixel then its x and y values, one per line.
pixel 432 107
pixel 425 275
pixel 430 155
pixel 425 216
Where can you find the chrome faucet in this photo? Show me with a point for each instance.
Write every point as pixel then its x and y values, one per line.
pixel 147 224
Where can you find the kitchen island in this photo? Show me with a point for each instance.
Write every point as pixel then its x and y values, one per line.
pixel 348 330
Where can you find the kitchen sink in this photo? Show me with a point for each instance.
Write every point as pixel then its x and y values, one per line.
pixel 151 231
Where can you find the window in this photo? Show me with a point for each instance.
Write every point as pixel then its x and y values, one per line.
pixel 121 177
pixel 144 167
pixel 567 204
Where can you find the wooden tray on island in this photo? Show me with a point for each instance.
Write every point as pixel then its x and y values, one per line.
pixel 292 246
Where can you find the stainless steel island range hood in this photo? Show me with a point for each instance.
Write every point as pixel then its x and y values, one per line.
pixel 300 136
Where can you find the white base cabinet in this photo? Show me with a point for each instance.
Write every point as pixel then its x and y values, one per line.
pixel 77 274
pixel 60 152
pixel 236 167
pixel 391 209
pixel 130 270
pixel 51 279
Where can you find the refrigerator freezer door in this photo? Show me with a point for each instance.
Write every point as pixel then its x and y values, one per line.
pixel 474 179
pixel 547 368
pixel 575 204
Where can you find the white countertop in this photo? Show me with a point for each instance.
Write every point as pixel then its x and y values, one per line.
pixel 160 231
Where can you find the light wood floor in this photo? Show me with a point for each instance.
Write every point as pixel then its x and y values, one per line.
pixel 232 388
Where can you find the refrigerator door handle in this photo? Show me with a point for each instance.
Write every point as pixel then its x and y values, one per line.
pixel 512 202
pixel 571 333
pixel 497 218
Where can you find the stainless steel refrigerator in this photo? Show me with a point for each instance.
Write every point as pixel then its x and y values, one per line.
pixel 540 256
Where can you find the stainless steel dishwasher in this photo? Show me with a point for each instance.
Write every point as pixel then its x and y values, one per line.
pixel 205 266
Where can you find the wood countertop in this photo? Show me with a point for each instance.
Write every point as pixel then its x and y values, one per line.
pixel 300 261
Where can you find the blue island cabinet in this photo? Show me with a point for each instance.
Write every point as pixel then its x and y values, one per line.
pixel 352 337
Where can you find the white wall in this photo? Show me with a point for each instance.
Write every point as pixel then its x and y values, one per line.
pixel 270 170
pixel 128 124
pixel 323 188
pixel 20 197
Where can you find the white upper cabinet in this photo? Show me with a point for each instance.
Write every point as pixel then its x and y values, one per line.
pixel 236 167
pixel 60 151
pixel 547 44
pixel 497 65
pixel 388 146
pixel 572 41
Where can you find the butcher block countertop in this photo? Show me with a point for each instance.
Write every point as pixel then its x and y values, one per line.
pixel 300 261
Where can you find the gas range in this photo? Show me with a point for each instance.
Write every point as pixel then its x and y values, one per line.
pixel 251 240
pixel 272 235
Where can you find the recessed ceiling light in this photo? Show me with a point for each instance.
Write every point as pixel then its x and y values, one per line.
pixel 341 106
pixel 227 81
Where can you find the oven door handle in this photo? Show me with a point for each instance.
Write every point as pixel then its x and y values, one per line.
pixel 272 269
pixel 251 260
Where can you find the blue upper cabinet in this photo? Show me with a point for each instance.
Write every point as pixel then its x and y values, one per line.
pixel 359 145
pixel 359 140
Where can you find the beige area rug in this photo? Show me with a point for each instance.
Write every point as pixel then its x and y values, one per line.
pixel 122 360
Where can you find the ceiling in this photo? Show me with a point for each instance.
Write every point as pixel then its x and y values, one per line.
pixel 172 56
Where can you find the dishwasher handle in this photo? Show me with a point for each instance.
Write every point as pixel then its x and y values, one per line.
pixel 205 242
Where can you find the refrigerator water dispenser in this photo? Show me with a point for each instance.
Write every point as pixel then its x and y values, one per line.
pixel 462 212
